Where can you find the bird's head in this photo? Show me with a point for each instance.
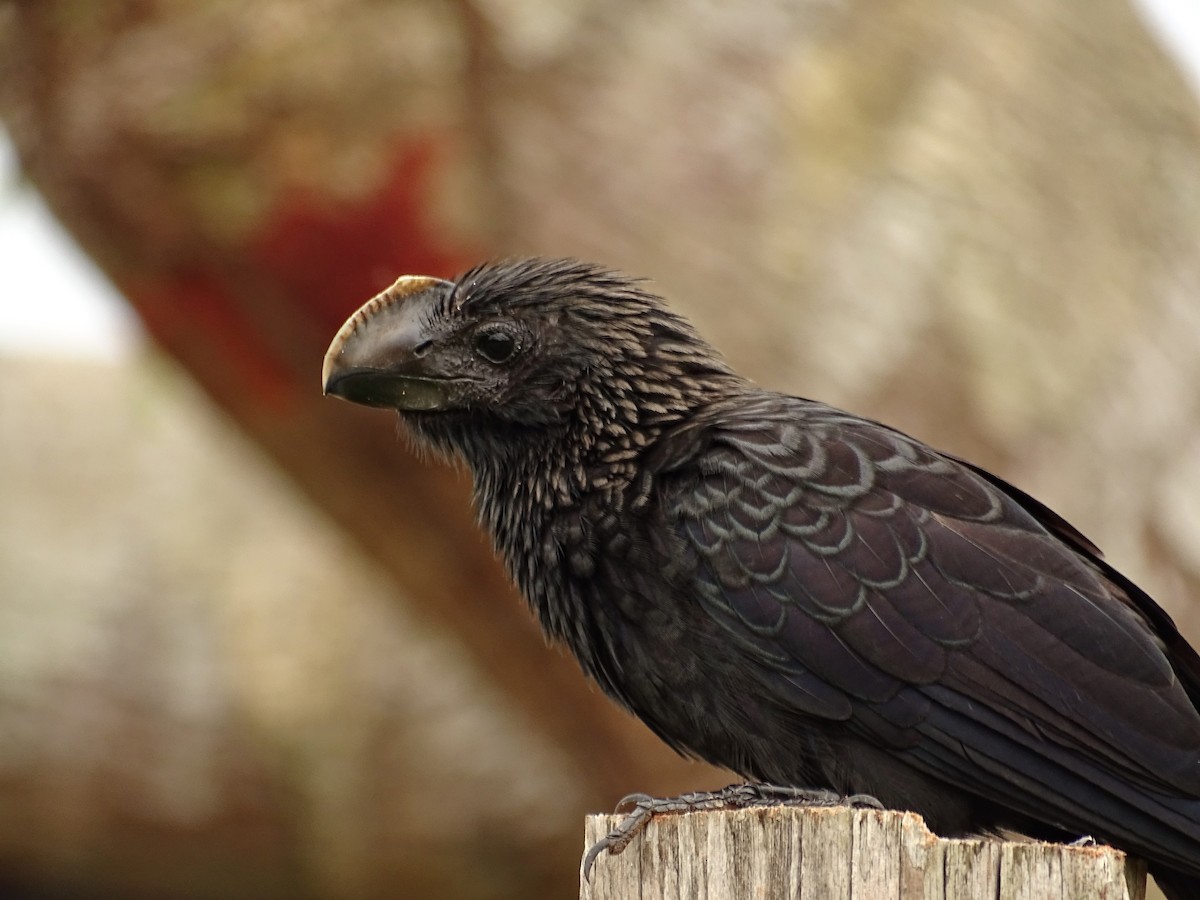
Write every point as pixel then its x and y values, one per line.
pixel 518 347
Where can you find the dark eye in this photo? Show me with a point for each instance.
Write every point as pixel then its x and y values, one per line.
pixel 496 345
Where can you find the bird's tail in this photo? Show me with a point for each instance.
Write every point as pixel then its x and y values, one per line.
pixel 1176 885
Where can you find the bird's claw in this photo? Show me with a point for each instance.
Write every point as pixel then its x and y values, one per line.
pixel 632 800
pixel 642 808
pixel 862 801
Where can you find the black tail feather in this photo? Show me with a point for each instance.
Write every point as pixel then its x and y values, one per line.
pixel 1176 885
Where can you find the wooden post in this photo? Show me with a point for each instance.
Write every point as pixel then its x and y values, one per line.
pixel 838 853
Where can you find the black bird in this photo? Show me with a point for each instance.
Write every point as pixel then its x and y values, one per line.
pixel 801 595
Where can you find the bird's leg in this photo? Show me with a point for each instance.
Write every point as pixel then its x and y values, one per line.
pixel 642 808
pixel 778 795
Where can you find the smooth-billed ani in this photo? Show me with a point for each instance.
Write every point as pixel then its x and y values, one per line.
pixel 801 595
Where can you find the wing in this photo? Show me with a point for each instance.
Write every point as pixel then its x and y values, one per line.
pixel 944 616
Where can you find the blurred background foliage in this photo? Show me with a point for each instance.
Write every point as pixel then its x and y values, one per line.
pixel 249 647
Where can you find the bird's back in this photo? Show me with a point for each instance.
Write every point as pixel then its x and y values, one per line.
pixel 840 602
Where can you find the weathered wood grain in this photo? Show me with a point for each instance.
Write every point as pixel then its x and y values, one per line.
pixel 840 853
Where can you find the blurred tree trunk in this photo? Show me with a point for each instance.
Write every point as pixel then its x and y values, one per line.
pixel 973 220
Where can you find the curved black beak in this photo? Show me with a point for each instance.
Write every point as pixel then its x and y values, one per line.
pixel 376 357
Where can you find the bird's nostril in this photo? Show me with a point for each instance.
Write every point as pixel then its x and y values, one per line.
pixel 421 349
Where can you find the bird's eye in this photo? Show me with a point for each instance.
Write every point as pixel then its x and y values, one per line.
pixel 496 345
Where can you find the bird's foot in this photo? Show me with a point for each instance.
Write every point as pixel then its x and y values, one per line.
pixel 642 808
